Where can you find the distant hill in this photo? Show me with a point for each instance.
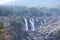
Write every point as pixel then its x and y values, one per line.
pixel 25 11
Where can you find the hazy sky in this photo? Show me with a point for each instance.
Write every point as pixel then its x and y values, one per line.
pixel 5 1
pixel 32 3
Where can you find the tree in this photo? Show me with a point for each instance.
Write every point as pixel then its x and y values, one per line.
pixel 1 31
pixel 56 35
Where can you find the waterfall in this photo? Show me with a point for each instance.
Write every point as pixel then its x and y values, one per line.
pixel 45 21
pixel 26 24
pixel 6 24
pixel 32 24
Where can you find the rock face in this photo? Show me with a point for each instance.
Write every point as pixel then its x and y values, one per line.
pixel 38 28
pixel 32 36
pixel 7 37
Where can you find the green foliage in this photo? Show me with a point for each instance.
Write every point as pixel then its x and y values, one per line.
pixel 1 26
pixel 1 37
pixel 17 26
pixel 56 35
pixel 1 31
pixel 25 11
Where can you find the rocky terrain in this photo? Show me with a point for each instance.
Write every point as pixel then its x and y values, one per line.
pixel 45 28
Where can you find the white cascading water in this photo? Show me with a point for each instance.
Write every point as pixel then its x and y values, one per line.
pixel 6 24
pixel 45 21
pixel 32 24
pixel 26 24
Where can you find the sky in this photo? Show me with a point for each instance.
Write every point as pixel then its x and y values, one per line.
pixel 5 1
pixel 31 3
